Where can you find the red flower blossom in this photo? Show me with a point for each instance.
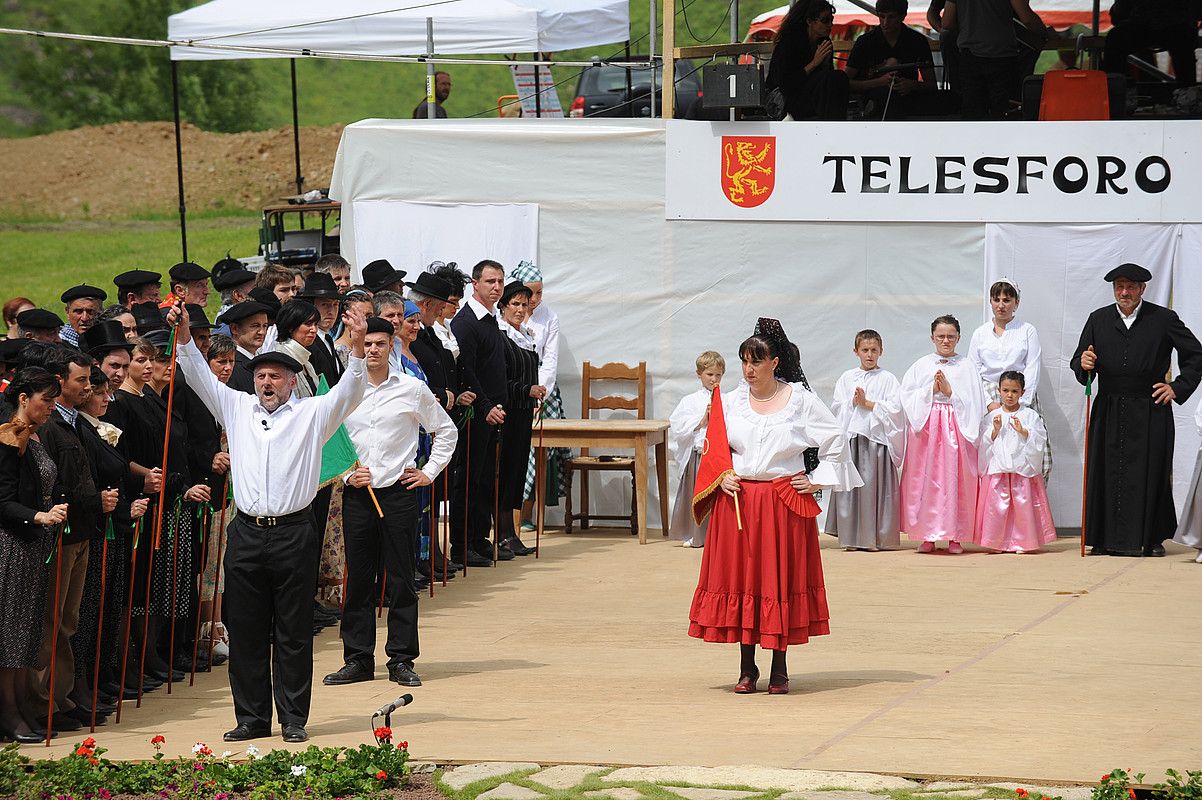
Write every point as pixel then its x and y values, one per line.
pixel 158 739
pixel 89 742
pixel 381 775
pixel 383 733
pixel 1131 792
pixel 83 750
pixel 403 746
pixel 1022 792
pixel 1106 777
pixel 93 761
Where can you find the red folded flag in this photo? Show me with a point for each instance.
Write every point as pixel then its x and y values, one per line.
pixel 715 463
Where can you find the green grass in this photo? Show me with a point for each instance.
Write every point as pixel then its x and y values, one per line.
pixel 40 260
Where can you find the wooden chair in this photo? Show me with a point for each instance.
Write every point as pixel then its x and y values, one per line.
pixel 588 464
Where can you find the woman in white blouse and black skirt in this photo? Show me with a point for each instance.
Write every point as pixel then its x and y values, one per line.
pixel 761 583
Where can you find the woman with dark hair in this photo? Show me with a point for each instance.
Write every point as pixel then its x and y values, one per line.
pixel 28 515
pixel 296 326
pixel 802 65
pixel 454 276
pixel 761 574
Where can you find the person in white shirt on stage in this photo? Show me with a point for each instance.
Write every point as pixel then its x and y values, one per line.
pixel 1013 513
pixel 867 403
pixel 1189 529
pixel 686 438
pixel 271 562
pixel 943 401
pixel 384 429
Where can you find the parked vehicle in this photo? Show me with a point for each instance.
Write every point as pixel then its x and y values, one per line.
pixel 609 90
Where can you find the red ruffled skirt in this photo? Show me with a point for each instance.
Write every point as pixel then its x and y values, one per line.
pixel 761 585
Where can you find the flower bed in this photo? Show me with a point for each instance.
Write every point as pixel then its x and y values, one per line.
pixel 317 773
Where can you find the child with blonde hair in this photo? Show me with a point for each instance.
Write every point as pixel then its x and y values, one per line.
pixel 686 436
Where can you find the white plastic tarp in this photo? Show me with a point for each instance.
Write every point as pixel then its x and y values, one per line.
pixel 391 27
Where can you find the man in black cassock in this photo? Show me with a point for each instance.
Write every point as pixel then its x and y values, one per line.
pixel 1129 502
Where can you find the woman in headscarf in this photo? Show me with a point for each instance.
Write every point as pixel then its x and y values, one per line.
pixel 761 574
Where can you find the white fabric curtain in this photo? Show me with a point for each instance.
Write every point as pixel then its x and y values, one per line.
pixel 1187 302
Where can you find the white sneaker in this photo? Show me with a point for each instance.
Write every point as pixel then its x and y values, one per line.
pixel 689 543
pixel 1198 559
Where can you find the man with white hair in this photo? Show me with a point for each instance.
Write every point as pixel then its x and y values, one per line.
pixel 273 551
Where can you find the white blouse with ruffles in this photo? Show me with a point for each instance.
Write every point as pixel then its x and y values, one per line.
pixel 1016 349
pixel 967 399
pixel 885 423
pixel 767 446
pixel 1010 452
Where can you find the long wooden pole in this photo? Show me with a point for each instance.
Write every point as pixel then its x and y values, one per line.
pixel 129 607
pixel 467 491
pixel 206 520
pixel 496 500
pixel 217 575
pixel 174 593
pixel 540 456
pixel 446 524
pixel 1085 463
pixel 104 560
pixel 58 579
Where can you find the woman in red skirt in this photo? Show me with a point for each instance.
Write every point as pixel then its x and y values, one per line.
pixel 762 584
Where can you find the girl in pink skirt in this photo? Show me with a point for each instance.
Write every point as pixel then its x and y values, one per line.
pixel 1013 515
pixel 943 402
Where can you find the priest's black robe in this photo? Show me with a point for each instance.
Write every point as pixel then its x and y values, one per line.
pixel 1129 503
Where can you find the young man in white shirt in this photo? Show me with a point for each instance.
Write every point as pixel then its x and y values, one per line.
pixel 384 429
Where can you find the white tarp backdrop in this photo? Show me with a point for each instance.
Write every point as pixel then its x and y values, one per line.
pixel 629 285
pixel 1187 300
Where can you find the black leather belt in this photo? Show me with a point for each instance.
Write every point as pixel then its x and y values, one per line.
pixel 271 522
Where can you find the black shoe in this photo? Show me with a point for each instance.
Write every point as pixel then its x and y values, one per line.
pixel 326 614
pixel 1155 551
pixel 351 672
pixel 63 723
pixel 161 677
pixel 476 560
pixel 1098 551
pixel 516 547
pixel 84 715
pixel 245 732
pixel 404 675
pixel 420 583
pixel 504 554
pixel 295 733
pixel 25 738
pixel 454 566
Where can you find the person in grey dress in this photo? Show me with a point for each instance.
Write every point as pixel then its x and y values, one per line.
pixel 28 522
pixel 1189 526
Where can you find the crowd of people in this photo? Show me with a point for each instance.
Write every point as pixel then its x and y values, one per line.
pixel 164 502
pixel 987 48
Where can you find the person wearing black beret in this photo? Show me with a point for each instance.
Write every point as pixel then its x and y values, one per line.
pixel 189 282
pixel 138 286
pixel 1127 347
pixel 83 304
pixel 234 282
pixel 40 325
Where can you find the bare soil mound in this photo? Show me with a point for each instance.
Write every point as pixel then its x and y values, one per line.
pixel 128 168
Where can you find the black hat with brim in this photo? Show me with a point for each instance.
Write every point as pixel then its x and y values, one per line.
pixel 1132 272
pixel 84 291
pixel 514 288
pixel 197 318
pixel 379 274
pixel 432 286
pixel 266 297
pixel 240 311
pixel 159 338
pixel 39 319
pixel 186 271
pixel 231 278
pixel 103 337
pixel 380 325
pixel 10 351
pixel 136 278
pixel 275 357
pixel 320 286
pixel 148 317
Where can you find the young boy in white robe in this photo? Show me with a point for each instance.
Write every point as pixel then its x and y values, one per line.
pixel 867 403
pixel 1013 513
pixel 686 435
pixel 1189 528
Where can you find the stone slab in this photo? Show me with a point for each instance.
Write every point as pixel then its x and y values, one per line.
pixel 564 776
pixel 973 793
pixel 835 795
pixel 510 791
pixel 794 780
pixel 470 773
pixel 616 793
pixel 939 786
pixel 421 767
pixel 1067 792
pixel 690 793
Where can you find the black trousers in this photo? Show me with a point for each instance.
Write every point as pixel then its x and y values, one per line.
pixel 515 457
pixel 373 542
pixel 1135 35
pixel 269 578
pixel 988 84
pixel 473 486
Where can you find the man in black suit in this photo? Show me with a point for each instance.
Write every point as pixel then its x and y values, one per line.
pixel 322 293
pixel 481 370
pixel 248 328
pixel 1129 503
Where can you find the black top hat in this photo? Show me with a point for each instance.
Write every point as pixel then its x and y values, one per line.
pixel 197 318
pixel 148 318
pixel 82 291
pixel 1132 272
pixel 104 336
pixel 380 273
pixel 240 311
pixel 275 357
pixel 39 319
pixel 380 325
pixel 320 286
pixel 187 271
pixel 432 286
pixel 235 276
pixel 514 288
pixel 135 279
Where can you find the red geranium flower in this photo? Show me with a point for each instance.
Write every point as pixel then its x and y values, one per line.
pixel 381 775
pixel 1022 792
pixel 83 750
pixel 93 761
pixel 1131 792
pixel 384 733
pixel 158 739
pixel 1106 777
pixel 403 746
pixel 89 742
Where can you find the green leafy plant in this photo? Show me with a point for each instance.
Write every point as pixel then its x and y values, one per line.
pixel 1180 787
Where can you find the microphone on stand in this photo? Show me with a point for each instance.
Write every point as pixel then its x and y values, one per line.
pixel 386 711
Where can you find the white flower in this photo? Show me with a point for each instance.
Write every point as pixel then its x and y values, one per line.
pixel 299 770
pixel 227 754
pixel 252 751
pixel 196 748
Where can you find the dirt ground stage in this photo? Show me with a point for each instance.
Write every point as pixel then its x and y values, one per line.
pixel 1038 667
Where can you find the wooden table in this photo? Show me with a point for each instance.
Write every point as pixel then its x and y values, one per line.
pixel 619 434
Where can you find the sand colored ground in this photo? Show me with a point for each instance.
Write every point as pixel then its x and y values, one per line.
pixel 1043 667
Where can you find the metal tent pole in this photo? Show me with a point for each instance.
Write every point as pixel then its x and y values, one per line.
pixel 300 179
pixel 430 98
pixel 651 53
pixel 538 95
pixel 734 36
pixel 179 161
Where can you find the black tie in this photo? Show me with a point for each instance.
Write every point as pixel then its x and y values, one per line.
pixel 329 342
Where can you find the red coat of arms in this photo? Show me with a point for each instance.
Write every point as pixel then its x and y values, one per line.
pixel 748 169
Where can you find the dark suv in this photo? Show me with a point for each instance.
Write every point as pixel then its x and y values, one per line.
pixel 604 91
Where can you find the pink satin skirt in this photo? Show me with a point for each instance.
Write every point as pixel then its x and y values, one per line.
pixel 1013 514
pixel 939 481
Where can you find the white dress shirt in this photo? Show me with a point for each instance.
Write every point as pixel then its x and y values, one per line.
pixel 1010 452
pixel 479 309
pixel 885 423
pixel 684 437
pixel 545 324
pixel 1129 320
pixel 275 459
pixel 1016 349
pixel 384 429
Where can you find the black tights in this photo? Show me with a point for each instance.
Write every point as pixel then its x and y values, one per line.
pixel 780 670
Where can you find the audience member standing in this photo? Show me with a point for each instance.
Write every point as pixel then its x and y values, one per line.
pixel 988 52
pixel 83 304
pixel 442 90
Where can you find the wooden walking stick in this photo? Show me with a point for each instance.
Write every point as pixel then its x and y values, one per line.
pixel 129 607
pixel 58 579
pixel 383 591
pixel 496 502
pixel 104 560
pixel 446 524
pixel 540 456
pixel 467 491
pixel 206 520
pixel 174 591
pixel 1085 464
pixel 217 576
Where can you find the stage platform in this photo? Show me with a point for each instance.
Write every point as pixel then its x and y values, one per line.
pixel 1044 667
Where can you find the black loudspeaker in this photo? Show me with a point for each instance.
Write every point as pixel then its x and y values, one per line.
pixel 1116 88
pixel 732 86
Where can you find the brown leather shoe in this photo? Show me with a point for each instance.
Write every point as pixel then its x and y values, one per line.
pixel 747 683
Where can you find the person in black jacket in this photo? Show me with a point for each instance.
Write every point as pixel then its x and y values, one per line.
pixel 325 297
pixel 802 67
pixel 28 517
pixel 481 368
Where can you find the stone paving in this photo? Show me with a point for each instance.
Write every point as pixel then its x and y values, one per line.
pixel 530 781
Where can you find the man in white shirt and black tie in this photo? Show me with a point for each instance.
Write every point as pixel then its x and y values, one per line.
pixel 271 560
pixel 324 295
pixel 384 429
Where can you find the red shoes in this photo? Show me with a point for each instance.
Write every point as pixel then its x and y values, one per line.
pixel 747 683
pixel 778 685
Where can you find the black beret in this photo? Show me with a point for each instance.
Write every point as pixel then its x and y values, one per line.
pixel 135 278
pixel 1132 272
pixel 187 271
pixel 82 291
pixel 275 357
pixel 39 319
pixel 230 278
pixel 10 350
pixel 380 325
pixel 240 311
pixel 197 318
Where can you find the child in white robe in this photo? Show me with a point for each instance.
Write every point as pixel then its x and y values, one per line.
pixel 686 435
pixel 1013 514
pixel 867 403
pixel 1189 528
